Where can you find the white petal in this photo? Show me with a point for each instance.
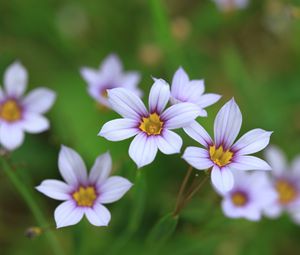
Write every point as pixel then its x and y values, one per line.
pixel 276 159
pixel 39 100
pixel 180 115
pixel 208 100
pixel 15 79
pixel 253 141
pixel 296 166
pixel 55 189
pixel 249 163
pixel 273 211
pixel 90 75
pixel 113 189
pixel 111 66
pixel 180 80
pixel 199 134
pixel 229 209
pixel 35 123
pixel 119 129
pixel 227 124
pixel 99 215
pixel 11 136
pixel 67 214
pixel 169 142
pixel 159 96
pixel 130 80
pixel 143 149
pixel 222 179
pixel 197 157
pixel 126 103
pixel 71 166
pixel 101 169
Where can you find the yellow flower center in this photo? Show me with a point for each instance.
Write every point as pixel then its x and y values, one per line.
pixel 85 196
pixel 286 191
pixel 151 125
pixel 239 198
pixel 10 111
pixel 219 156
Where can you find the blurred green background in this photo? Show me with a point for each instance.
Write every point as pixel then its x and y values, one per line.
pixel 251 54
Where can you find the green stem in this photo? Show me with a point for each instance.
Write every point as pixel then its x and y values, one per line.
pixel 30 201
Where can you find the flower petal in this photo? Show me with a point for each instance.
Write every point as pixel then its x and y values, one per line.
pixel 119 129
pixel 91 76
pixel 208 99
pixel 296 166
pixel 111 66
pixel 39 100
pixel 67 214
pixel 55 189
pixel 199 134
pixel 179 81
pixel 143 149
pixel 251 142
pixel 249 163
pixel 197 157
pixel 159 96
pixel 35 123
pixel 227 124
pixel 276 159
pixel 222 179
pixel 71 166
pixel 113 189
pixel 11 136
pixel 169 142
pixel 99 215
pixel 130 80
pixel 126 103
pixel 15 79
pixel 180 115
pixel 101 169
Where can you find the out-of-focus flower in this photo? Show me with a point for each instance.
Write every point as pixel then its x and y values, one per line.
pixel 109 75
pixel 185 90
pixel 251 193
pixel 151 128
pixel 83 194
pixel 33 232
pixel 231 5
pixel 222 154
pixel 180 28
pixel 150 54
pixel 286 181
pixel 20 113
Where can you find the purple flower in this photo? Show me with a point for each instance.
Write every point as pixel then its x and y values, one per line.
pixel 251 193
pixel 185 90
pixel 109 75
pixel 222 154
pixel 230 5
pixel 19 113
pixel 151 128
pixel 83 194
pixel 286 181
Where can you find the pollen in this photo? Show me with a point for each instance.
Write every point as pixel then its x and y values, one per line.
pixel 287 192
pixel 152 125
pixel 239 198
pixel 10 111
pixel 219 156
pixel 85 196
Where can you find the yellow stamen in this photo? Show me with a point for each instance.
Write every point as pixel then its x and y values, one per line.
pixel 286 191
pixel 10 111
pixel 239 198
pixel 151 125
pixel 220 156
pixel 85 196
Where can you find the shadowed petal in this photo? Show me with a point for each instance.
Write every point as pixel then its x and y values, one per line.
pixel 249 163
pixel 143 149
pixel 197 157
pixel 198 133
pixel 169 142
pixel 55 189
pixel 101 169
pixel 11 136
pixel 222 179
pixel 99 215
pixel 159 96
pixel 119 129
pixel 227 124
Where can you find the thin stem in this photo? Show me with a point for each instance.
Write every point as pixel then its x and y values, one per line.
pixel 182 189
pixel 32 204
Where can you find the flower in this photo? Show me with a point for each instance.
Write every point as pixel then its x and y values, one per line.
pixel 286 181
pixel 109 75
pixel 185 90
pixel 230 5
pixel 83 194
pixel 222 154
pixel 150 128
pixel 251 193
pixel 19 113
